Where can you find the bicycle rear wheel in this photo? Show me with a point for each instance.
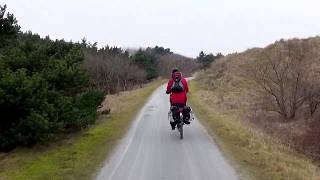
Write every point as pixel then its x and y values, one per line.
pixel 180 128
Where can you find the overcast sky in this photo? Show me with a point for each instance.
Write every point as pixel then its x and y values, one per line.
pixel 185 26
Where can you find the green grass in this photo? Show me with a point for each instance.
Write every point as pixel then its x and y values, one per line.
pixel 253 155
pixel 81 156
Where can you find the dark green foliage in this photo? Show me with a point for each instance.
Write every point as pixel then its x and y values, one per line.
pixel 43 87
pixel 206 59
pixel 159 61
pixel 148 61
pixel 8 27
pixel 160 50
pixel 113 51
pixel 22 104
pixel 84 109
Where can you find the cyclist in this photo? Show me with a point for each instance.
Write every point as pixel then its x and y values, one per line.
pixel 178 88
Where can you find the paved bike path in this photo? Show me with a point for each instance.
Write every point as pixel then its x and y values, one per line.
pixel 152 151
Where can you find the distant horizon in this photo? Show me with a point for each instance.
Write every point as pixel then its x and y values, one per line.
pixel 185 26
pixel 99 45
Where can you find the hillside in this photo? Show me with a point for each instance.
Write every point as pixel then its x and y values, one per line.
pixel 275 90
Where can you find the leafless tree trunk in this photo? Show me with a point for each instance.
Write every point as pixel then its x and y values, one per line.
pixel 280 76
pixel 112 73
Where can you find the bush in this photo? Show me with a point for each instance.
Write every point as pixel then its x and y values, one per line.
pixel 24 108
pixel 147 61
pixel 43 87
pixel 39 101
pixel 84 109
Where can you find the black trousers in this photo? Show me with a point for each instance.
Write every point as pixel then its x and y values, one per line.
pixel 176 113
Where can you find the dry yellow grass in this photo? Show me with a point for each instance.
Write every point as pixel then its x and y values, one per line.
pixel 227 98
pixel 236 93
pixel 254 155
pixel 228 88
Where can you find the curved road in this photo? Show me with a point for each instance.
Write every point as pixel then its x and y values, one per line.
pixel 152 151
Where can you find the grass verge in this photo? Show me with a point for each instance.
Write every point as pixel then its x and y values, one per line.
pixel 253 155
pixel 81 155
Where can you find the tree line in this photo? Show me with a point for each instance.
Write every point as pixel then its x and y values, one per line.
pixel 205 60
pixel 113 69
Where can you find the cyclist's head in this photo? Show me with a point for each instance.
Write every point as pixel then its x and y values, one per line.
pixel 174 71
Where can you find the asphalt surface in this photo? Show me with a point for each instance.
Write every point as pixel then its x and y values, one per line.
pixel 152 151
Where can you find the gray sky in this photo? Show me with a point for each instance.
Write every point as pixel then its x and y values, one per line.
pixel 185 26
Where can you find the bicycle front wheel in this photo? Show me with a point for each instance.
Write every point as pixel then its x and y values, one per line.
pixel 181 131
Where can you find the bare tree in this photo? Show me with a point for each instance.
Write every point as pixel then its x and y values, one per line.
pixel 280 76
pixel 184 64
pixel 112 73
pixel 311 82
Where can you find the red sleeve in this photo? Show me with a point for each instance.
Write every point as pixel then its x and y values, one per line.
pixel 169 85
pixel 186 85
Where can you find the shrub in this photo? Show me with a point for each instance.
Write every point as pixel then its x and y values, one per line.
pixel 43 88
pixel 84 109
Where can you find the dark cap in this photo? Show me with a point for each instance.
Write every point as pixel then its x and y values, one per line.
pixel 175 70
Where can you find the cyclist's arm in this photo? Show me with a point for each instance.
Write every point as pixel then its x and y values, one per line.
pixel 169 86
pixel 187 87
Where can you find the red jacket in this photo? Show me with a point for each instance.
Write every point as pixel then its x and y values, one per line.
pixel 181 97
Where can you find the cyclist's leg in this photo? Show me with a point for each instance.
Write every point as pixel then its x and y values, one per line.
pixel 175 112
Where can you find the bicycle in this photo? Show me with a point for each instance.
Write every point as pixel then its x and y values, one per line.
pixel 180 123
